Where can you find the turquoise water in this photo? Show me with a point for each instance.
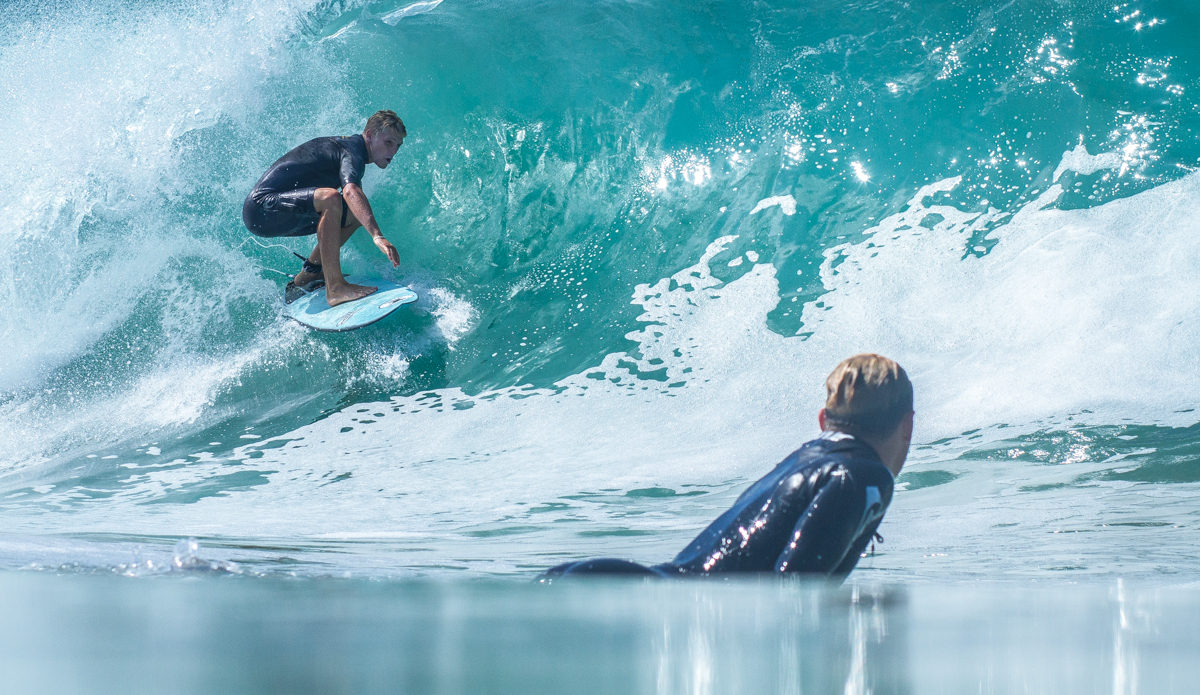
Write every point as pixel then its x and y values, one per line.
pixel 642 234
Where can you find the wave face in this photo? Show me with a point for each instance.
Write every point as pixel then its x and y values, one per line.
pixel 642 234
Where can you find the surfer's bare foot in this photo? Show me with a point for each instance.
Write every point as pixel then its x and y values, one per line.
pixel 346 292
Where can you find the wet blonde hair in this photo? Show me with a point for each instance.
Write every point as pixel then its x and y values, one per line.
pixel 386 120
pixel 867 394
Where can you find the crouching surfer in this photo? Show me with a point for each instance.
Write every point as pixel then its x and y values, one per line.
pixel 816 511
pixel 317 189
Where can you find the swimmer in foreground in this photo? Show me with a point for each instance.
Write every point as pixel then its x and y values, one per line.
pixel 816 511
pixel 317 189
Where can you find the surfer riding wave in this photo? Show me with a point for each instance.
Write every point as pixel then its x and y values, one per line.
pixel 316 188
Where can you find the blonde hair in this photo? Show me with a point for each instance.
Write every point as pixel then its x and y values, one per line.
pixel 385 120
pixel 868 395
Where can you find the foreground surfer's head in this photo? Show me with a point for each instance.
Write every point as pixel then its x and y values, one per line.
pixel 870 397
pixel 384 134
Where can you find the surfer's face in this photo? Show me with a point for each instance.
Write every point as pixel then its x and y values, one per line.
pixel 382 147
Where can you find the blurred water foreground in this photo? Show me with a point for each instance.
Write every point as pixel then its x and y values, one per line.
pixel 226 634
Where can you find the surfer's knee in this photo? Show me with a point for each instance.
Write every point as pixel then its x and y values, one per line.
pixel 327 200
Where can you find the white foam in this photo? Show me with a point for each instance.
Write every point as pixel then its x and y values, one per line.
pixel 393 18
pixel 1078 160
pixel 455 316
pixel 178 389
pixel 786 203
pixel 1072 311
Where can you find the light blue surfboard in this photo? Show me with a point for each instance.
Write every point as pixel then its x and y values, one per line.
pixel 313 311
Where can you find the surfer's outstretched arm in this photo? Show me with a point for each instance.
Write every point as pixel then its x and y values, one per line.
pixel 360 207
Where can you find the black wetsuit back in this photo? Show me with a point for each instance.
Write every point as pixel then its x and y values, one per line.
pixel 813 514
pixel 281 203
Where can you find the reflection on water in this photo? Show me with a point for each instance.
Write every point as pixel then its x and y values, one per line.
pixel 785 637
pixel 74 634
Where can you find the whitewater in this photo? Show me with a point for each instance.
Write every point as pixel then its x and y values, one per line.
pixel 642 233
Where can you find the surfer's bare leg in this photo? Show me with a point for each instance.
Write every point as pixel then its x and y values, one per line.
pixel 330 238
pixel 351 227
pixel 304 277
pixel 348 231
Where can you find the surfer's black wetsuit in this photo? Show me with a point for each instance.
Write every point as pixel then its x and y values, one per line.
pixel 813 514
pixel 281 203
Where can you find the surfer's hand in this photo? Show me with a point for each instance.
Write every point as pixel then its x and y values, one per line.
pixel 386 246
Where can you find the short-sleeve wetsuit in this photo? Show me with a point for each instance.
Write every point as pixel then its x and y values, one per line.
pixel 281 203
pixel 813 514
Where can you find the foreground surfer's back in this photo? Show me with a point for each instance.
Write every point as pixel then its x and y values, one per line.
pixel 816 511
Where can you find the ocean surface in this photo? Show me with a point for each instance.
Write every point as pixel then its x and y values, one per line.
pixel 85 634
pixel 642 233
